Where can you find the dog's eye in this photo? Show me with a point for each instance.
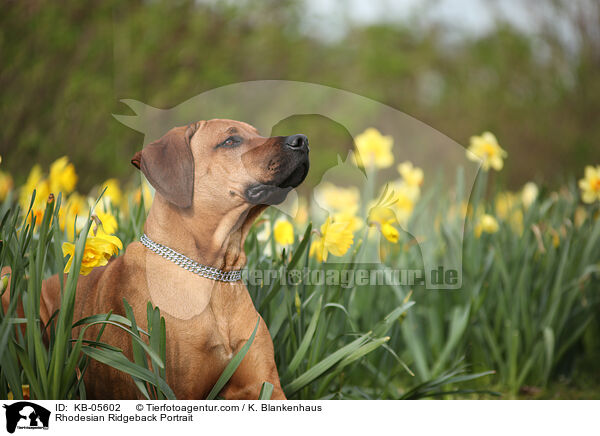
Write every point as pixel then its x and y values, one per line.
pixel 232 141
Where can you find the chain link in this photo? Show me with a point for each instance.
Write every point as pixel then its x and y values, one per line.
pixel 188 264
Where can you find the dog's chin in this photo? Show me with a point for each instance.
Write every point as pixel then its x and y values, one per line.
pixel 266 194
pixel 276 191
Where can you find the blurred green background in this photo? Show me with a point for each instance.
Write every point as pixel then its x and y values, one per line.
pixel 530 75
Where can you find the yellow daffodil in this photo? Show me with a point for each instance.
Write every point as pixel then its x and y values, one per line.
pixel 383 217
pixel 71 223
pixel 580 216
pixel 283 232
pixel 335 238
pixel 34 178
pixel 507 207
pixel 78 204
pixel 99 248
pixel 413 176
pixel 488 224
pixel 35 181
pixel 402 187
pixel 506 202
pixel 380 214
pixel 402 201
pixel 390 232
pixel 529 194
pixel 24 390
pixel 485 148
pixel 109 222
pixel 73 215
pixel 38 214
pixel 392 207
pixel 516 221
pixel 338 199
pixel 4 282
pixel 317 249
pixel 354 222
pixel 113 192
pixel 403 207
pixel 62 176
pixel 374 149
pixel 144 191
pixel 6 185
pixel 590 185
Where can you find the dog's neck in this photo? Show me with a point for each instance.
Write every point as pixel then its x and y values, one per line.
pixel 212 240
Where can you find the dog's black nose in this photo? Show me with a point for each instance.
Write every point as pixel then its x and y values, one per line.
pixel 297 142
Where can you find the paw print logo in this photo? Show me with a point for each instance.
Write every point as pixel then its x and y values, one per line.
pixel 294 277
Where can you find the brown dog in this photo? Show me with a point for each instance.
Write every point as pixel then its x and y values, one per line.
pixel 212 180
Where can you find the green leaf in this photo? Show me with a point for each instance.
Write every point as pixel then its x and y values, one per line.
pixel 306 340
pixel 317 370
pixel 120 362
pixel 266 391
pixel 232 365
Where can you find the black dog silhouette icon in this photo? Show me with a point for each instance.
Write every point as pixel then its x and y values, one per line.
pixel 29 415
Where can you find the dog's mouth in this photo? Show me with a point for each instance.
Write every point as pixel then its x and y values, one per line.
pixel 275 193
pixel 296 177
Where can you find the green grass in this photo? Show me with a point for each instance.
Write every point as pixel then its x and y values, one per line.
pixel 524 309
pixel 528 309
pixel 55 371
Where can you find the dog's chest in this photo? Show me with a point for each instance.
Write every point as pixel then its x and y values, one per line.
pixel 176 291
pixel 199 350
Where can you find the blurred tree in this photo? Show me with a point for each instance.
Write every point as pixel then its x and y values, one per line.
pixel 65 66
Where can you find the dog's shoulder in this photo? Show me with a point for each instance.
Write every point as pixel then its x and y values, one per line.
pixel 104 288
pixel 124 271
pixel 134 257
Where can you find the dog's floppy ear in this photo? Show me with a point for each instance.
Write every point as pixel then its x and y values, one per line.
pixel 168 164
pixel 136 159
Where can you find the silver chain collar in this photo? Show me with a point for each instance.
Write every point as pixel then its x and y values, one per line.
pixel 188 264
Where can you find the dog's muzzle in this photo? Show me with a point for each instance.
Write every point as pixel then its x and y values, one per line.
pixel 296 149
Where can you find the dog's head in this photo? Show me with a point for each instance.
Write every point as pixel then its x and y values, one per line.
pixel 220 163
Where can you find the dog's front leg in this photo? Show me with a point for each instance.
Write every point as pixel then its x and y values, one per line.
pixel 257 367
